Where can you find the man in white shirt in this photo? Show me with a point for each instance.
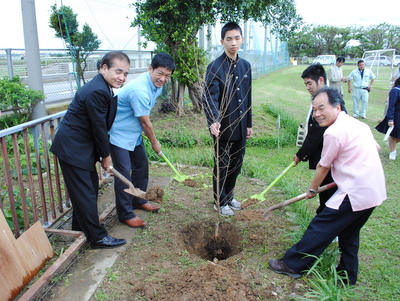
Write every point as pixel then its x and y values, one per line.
pixel 363 81
pixel 335 75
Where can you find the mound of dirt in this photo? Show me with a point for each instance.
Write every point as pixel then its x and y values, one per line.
pixel 209 282
pixel 190 183
pixel 155 194
pixel 249 215
pixel 250 202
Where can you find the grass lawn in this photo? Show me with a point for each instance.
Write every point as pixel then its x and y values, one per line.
pixel 380 238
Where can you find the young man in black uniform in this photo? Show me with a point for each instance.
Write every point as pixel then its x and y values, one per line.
pixel 227 104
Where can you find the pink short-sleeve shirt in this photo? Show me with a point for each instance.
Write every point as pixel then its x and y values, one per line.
pixel 351 152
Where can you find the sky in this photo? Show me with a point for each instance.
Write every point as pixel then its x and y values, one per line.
pixel 110 19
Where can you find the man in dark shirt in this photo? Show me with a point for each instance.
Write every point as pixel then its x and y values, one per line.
pixel 314 78
pixel 227 105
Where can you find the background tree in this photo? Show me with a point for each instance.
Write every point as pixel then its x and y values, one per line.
pixel 80 44
pixel 382 36
pixel 173 26
pixel 313 40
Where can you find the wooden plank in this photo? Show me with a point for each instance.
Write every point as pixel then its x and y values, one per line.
pixel 34 248
pixel 12 270
pixel 21 258
pixel 55 267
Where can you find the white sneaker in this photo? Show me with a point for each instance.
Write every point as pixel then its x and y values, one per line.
pixel 392 155
pixel 225 210
pixel 235 205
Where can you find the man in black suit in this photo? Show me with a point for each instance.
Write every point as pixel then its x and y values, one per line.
pixel 82 140
pixel 227 105
pixel 314 78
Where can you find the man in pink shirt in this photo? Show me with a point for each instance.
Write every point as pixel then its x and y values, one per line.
pixel 351 153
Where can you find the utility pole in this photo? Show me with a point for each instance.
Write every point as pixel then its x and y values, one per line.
pixel 35 80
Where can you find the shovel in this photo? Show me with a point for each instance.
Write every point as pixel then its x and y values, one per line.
pixel 261 195
pixel 295 199
pixel 132 189
pixel 178 176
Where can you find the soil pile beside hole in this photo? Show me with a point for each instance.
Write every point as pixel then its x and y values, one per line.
pixel 249 202
pixel 155 194
pixel 190 183
pixel 200 239
pixel 249 215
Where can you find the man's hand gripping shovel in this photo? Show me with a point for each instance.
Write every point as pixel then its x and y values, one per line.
pixel 295 199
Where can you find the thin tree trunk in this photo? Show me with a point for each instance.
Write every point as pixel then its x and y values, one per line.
pixel 195 93
pixel 174 101
pixel 180 110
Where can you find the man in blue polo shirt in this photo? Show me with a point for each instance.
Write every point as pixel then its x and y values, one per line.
pixel 135 102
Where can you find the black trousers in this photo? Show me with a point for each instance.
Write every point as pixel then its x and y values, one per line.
pixel 330 223
pixel 83 187
pixel 228 160
pixel 133 165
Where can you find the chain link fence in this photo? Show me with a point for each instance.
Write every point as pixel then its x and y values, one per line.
pixel 58 71
pixel 261 48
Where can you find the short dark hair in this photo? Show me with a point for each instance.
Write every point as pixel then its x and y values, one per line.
pixel 397 82
pixel 334 97
pixel 230 26
pixel 314 72
pixel 109 58
pixel 360 61
pixel 163 60
pixel 340 59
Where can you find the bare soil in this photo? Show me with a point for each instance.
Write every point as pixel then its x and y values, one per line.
pixel 189 252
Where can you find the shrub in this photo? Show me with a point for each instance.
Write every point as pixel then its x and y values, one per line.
pixel 17 99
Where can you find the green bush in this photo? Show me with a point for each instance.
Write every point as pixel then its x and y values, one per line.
pixel 18 206
pixel 17 99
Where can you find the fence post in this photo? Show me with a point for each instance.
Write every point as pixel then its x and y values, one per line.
pixel 9 63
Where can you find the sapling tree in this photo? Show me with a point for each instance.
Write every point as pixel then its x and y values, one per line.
pixel 221 156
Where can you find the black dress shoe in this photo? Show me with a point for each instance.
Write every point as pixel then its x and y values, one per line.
pixel 280 267
pixel 108 242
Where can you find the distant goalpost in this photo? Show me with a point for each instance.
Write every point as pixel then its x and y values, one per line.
pixel 375 64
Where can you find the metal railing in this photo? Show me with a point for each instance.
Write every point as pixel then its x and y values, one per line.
pixel 32 188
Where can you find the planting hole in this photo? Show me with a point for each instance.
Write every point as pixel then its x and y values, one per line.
pixel 210 240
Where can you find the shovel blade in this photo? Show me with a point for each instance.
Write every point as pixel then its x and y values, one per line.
pixel 135 192
pixel 259 197
pixel 180 177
